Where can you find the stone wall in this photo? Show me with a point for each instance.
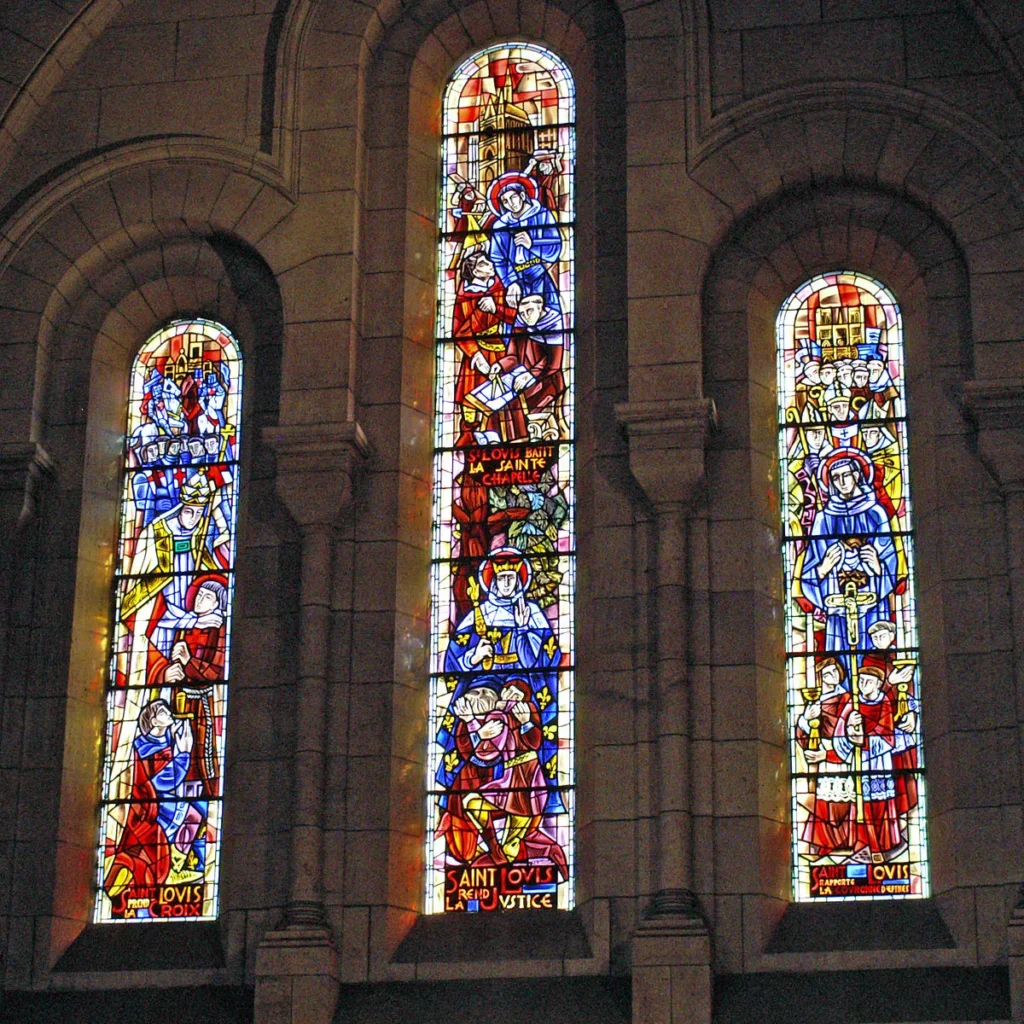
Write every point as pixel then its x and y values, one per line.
pixel 273 165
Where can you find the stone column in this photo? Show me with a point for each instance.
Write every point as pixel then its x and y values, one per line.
pixel 296 965
pixel 671 946
pixel 997 409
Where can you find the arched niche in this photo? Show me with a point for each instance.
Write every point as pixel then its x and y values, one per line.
pixel 405 81
pixel 744 831
pixel 102 313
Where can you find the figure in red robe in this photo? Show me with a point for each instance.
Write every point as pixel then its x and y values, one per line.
pixel 195 665
pixel 480 327
pixel 828 828
pixel 899 689
pixel 544 167
pixel 537 346
pixel 871 730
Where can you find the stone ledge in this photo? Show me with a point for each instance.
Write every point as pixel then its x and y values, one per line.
pixel 471 938
pixel 852 997
pixel 598 1000
pixel 536 944
pixel 903 924
pixel 121 948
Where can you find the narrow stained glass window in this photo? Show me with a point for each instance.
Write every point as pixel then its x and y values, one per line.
pixel 858 794
pixel 167 687
pixel 500 802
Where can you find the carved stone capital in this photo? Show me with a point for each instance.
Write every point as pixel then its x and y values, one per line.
pixel 24 469
pixel 997 409
pixel 316 464
pixel 666 446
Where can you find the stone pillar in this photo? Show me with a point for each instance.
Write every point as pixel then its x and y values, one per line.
pixel 671 946
pixel 24 470
pixel 296 965
pixel 997 409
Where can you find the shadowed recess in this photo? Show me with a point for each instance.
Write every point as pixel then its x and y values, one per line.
pixel 852 997
pixel 541 1000
pixel 191 1006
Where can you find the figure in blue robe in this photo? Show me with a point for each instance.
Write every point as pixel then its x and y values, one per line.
pixel 528 268
pixel 168 765
pixel 851 539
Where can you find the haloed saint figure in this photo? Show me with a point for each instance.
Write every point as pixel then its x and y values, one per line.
pixel 501 754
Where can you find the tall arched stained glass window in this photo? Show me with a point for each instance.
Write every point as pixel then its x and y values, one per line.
pixel 160 830
pixel 858 795
pixel 500 803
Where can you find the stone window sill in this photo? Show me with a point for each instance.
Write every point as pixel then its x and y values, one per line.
pixel 863 926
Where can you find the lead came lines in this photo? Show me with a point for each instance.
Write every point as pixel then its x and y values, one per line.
pixel 500 783
pixel 858 794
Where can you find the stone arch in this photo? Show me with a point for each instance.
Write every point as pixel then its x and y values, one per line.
pixel 405 59
pixel 73 232
pixel 769 253
pixel 949 168
pixel 94 281
pixel 67 46
pixel 711 121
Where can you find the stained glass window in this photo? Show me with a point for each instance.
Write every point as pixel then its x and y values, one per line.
pixel 167 687
pixel 853 684
pixel 500 801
